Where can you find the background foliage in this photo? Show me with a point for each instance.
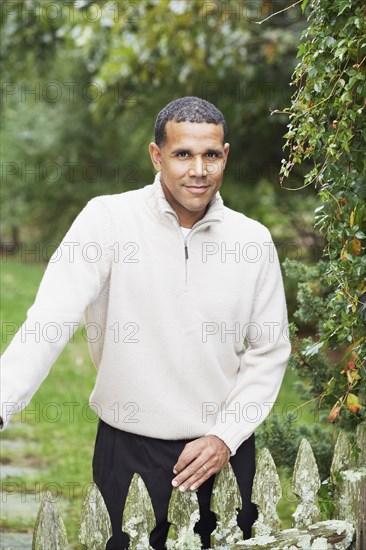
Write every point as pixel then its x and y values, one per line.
pixel 83 82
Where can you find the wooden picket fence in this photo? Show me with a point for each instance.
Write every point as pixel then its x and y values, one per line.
pixel 347 531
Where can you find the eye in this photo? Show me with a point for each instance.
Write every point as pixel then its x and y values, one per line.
pixel 182 154
pixel 211 154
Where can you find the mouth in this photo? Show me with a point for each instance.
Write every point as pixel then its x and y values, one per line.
pixel 197 189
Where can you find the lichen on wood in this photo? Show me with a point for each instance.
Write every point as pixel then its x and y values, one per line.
pixel 183 514
pixel 342 457
pixel 95 525
pixel 306 484
pixel 351 490
pixel 49 530
pixel 225 502
pixel 138 517
pixel 351 505
pixel 266 494
pixel 324 535
pixel 361 444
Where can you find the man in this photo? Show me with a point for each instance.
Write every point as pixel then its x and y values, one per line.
pixel 187 299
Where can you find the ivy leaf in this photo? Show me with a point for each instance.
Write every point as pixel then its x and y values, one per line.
pixel 304 4
pixel 353 403
pixel 334 412
pixel 352 377
pixel 356 247
pixel 352 218
pixel 343 6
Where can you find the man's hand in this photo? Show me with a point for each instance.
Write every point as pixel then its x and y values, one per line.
pixel 199 460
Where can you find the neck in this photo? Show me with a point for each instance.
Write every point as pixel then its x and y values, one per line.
pixel 188 224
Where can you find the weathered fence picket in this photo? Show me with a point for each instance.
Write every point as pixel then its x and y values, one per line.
pixel 348 474
pixel 183 514
pixel 49 529
pixel 225 501
pixel 138 519
pixel 266 494
pixel 95 526
pixel 305 485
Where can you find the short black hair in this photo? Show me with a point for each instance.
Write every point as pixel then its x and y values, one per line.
pixel 187 109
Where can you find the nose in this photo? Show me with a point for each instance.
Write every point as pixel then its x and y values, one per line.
pixel 198 167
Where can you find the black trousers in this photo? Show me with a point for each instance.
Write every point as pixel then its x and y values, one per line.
pixel 119 454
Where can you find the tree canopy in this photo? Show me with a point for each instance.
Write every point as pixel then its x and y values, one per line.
pixel 83 82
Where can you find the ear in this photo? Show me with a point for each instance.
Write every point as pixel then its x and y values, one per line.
pixel 155 156
pixel 226 152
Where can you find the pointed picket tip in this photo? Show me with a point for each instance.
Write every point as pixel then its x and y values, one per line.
pixel 306 484
pixel 266 494
pixel 95 525
pixel 183 514
pixel 341 456
pixel 225 501
pixel 138 517
pixel 49 529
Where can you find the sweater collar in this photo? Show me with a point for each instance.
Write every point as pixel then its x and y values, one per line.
pixel 214 213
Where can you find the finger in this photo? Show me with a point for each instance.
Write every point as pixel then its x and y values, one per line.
pixel 196 479
pixel 199 481
pixel 190 452
pixel 190 470
pixel 193 450
pixel 209 468
pixel 202 475
pixel 199 470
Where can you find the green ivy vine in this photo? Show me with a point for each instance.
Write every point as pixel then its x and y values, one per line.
pixel 327 136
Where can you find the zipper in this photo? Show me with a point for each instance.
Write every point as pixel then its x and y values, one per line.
pixel 186 254
pixel 186 250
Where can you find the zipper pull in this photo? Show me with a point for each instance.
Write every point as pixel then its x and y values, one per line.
pixel 186 251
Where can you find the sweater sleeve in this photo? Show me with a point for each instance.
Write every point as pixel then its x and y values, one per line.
pixel 263 363
pixel 73 279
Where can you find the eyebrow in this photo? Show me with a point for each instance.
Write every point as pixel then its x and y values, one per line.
pixel 217 152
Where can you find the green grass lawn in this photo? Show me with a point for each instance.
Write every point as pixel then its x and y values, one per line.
pixel 58 421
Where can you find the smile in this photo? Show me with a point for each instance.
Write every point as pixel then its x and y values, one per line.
pixel 197 189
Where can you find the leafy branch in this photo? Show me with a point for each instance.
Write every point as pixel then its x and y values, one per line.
pixel 327 128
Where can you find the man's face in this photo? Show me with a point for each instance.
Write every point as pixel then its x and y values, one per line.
pixel 191 162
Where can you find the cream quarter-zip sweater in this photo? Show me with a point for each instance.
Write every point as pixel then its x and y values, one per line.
pixel 188 334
